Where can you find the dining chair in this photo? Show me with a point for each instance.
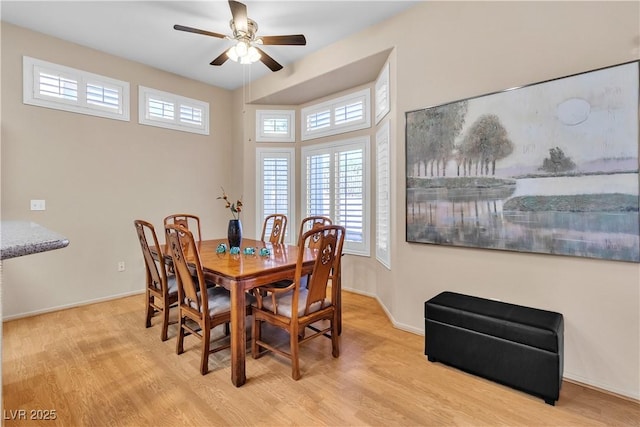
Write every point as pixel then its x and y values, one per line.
pixel 296 308
pixel 162 287
pixel 189 221
pixel 275 225
pixel 199 310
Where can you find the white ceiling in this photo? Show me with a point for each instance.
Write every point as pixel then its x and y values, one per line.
pixel 143 31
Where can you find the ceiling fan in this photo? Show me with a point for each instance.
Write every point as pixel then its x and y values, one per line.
pixel 244 29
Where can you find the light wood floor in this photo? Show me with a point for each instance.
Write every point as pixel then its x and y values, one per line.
pixel 97 365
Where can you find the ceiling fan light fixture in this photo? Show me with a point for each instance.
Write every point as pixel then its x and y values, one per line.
pixel 243 53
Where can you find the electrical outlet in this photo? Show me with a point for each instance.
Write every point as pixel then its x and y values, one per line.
pixel 121 266
pixel 37 205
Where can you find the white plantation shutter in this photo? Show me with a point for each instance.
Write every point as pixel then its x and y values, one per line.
pixel 336 184
pixel 349 113
pixel 275 187
pixel 319 120
pixel 383 196
pixel 350 193
pixel 382 97
pixel 103 96
pixel 159 109
pixel 50 85
pixel 191 115
pixel 56 85
pixel 319 188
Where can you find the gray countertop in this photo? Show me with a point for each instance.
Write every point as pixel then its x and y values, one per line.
pixel 19 238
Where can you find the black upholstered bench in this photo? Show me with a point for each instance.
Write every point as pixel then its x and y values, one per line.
pixel 513 345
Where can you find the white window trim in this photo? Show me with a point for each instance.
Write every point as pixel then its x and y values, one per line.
pixel 353 248
pixel 331 105
pixel 383 199
pixel 382 94
pixel 290 154
pixel 144 118
pixel 32 96
pixel 262 115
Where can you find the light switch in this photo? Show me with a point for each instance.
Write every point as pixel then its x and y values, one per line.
pixel 37 205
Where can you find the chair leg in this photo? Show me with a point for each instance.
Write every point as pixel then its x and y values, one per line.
pixel 295 360
pixel 165 322
pixel 180 340
pixel 148 310
pixel 206 341
pixel 335 345
pixel 256 329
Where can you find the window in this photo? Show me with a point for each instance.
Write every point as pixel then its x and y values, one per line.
pixel 275 126
pixel 171 111
pixel 382 93
pixel 275 188
pixel 339 115
pixel 383 195
pixel 63 88
pixel 335 182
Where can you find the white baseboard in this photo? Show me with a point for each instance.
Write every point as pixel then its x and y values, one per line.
pixel 605 388
pixel 66 306
pixel 394 322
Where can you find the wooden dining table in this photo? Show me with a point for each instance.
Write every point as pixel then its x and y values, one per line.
pixel 240 273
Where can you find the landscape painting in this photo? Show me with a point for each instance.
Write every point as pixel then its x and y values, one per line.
pixel 547 168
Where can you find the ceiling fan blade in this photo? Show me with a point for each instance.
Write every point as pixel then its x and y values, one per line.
pixel 197 31
pixel 269 61
pixel 239 13
pixel 221 59
pixel 293 39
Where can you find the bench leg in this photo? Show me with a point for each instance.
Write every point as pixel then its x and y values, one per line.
pixel 551 402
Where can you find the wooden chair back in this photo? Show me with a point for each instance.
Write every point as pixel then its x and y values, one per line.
pixel 313 223
pixel 328 240
pixel 156 270
pixel 275 225
pixel 189 221
pixel 180 242
pixel 159 296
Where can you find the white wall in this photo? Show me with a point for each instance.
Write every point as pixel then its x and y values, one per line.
pixel 446 51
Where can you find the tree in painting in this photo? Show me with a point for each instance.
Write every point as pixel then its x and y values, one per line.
pixel 485 143
pixel 557 162
pixel 432 133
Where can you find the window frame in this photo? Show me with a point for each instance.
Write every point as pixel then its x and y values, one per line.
pixel 261 154
pixel 332 148
pixel 363 95
pixel 145 94
pixel 262 115
pixel 32 70
pixel 383 199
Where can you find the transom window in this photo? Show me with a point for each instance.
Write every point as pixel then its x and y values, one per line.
pixel 275 126
pixel 338 115
pixel 50 85
pixel 171 111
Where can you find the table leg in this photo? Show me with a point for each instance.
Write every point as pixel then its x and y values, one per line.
pixel 238 335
